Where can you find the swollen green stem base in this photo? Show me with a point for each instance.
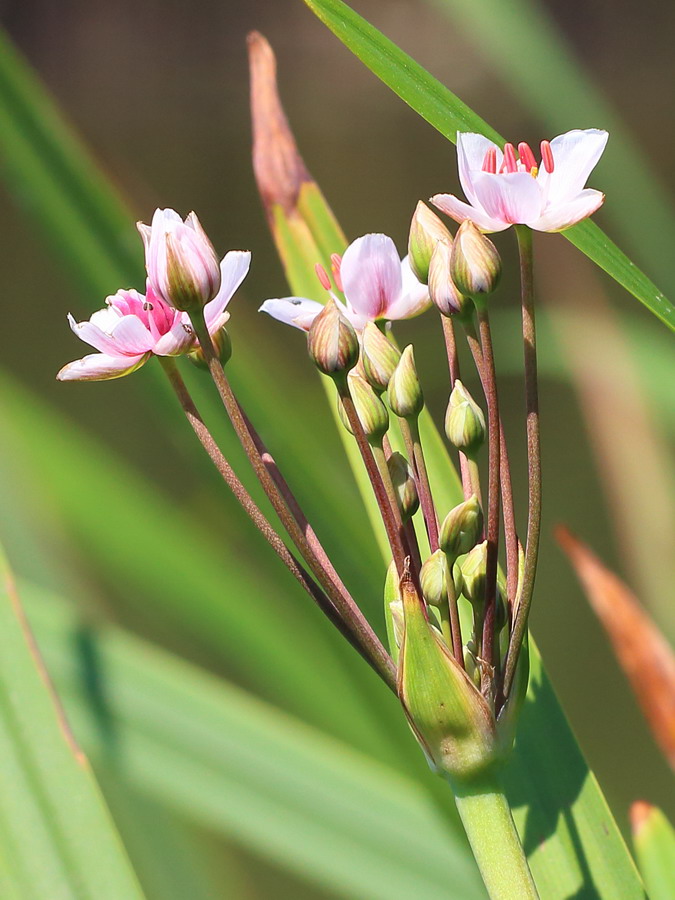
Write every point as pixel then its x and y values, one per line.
pixel 489 826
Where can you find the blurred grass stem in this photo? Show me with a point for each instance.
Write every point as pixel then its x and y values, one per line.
pixel 387 504
pixel 338 594
pixel 251 509
pixel 413 445
pixel 470 484
pixel 492 530
pixel 508 510
pixel 524 235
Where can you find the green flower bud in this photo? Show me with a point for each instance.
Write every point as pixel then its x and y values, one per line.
pixel 434 579
pixel 404 485
pixel 461 528
pixel 332 342
pixel 464 421
pixel 475 264
pixel 473 573
pixel 457 579
pixel 448 715
pixel 426 230
pixel 372 412
pixel 405 392
pixel 222 345
pixel 442 289
pixel 379 357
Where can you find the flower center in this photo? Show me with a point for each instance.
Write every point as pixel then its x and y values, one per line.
pixel 155 314
pixel 524 162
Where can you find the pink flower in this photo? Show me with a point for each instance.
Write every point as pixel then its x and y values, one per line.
pixel 182 265
pixel 375 282
pixel 133 326
pixel 504 190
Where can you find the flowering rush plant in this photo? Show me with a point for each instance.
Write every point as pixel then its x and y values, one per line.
pixel 460 579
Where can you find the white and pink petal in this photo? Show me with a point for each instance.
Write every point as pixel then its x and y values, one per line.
pixel 371 275
pixel 233 269
pixel 471 152
pixel 575 155
pixel 296 311
pixel 101 367
pixel 414 298
pixel 564 215
pixel 459 211
pixel 512 198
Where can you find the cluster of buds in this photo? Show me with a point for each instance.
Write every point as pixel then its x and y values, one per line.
pixel 449 690
pixel 456 626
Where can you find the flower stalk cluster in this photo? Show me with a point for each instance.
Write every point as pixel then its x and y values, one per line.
pixel 456 618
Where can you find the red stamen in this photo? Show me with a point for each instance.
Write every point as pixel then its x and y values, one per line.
pixel 527 156
pixel 336 262
pixel 322 275
pixel 490 161
pixel 510 158
pixel 547 156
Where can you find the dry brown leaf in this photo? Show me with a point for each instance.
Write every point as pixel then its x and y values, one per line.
pixel 644 654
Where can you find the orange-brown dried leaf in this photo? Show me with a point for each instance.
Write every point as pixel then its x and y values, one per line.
pixel 643 652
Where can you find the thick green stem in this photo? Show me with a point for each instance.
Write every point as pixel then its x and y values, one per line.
pixel 496 846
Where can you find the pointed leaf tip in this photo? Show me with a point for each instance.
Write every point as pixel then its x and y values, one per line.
pixel 279 169
pixel 645 656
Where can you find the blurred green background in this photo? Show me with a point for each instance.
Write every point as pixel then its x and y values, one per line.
pixel 159 91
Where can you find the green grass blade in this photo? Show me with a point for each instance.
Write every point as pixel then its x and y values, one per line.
pixel 58 839
pixel 506 34
pixel 186 574
pixel 448 114
pixel 654 840
pixel 238 766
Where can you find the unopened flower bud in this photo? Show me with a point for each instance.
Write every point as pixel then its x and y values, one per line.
pixel 475 264
pixel 434 576
pixel 405 392
pixel 442 289
pixel 404 485
pixel 372 412
pixel 450 718
pixel 426 230
pixel 473 573
pixel 332 342
pixel 379 357
pixel 222 345
pixel 461 528
pixel 182 265
pixel 464 421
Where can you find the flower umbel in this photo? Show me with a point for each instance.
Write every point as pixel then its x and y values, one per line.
pixel 508 187
pixel 133 326
pixel 376 284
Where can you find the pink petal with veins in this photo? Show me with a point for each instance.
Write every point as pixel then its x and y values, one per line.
pixel 460 212
pixel 371 275
pixel 513 198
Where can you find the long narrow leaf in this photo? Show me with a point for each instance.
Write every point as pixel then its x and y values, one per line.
pixel 508 33
pixel 246 770
pixel 57 837
pixel 448 114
